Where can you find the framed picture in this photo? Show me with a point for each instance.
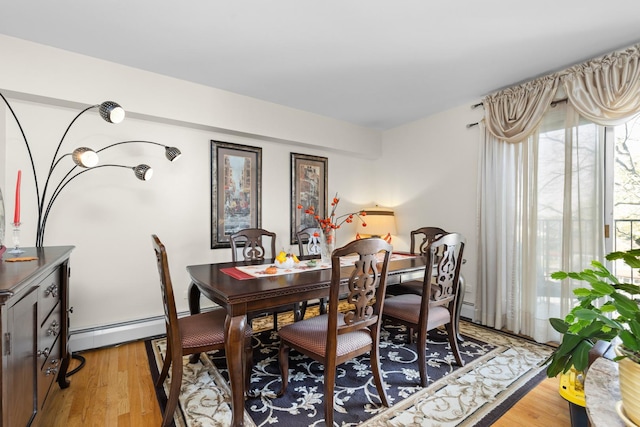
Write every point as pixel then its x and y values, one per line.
pixel 308 188
pixel 236 181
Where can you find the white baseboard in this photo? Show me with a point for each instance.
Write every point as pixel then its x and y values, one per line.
pixel 467 310
pixel 114 334
pixel 109 335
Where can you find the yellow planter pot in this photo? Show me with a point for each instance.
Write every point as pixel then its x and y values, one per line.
pixel 629 374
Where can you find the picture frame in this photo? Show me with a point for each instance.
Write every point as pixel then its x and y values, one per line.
pixel 236 190
pixel 308 188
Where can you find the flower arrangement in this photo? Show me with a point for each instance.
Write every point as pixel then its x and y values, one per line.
pixel 333 222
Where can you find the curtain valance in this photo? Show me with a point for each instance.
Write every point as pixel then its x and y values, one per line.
pixel 605 90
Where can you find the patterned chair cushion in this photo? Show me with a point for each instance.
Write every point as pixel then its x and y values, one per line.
pixel 407 308
pixel 312 335
pixel 204 329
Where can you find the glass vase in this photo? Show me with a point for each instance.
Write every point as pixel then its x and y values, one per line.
pixel 327 244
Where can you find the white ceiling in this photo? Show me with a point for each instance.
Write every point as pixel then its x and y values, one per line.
pixel 374 63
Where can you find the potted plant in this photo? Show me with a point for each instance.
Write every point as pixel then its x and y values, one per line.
pixel 606 309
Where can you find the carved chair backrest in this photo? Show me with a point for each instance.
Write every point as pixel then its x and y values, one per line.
pixel 251 241
pixel 367 284
pixel 444 260
pixel 309 241
pixel 422 238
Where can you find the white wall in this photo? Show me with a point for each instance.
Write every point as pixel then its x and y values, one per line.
pixel 108 214
pixel 432 169
pixel 426 169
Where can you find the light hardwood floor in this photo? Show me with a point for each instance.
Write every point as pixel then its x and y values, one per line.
pixel 114 388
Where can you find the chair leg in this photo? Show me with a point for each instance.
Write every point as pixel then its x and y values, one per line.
pixel 422 356
pixel 303 309
pixel 174 393
pixel 329 385
pixel 165 366
pixel 377 374
pixel 323 306
pixel 452 334
pixel 283 357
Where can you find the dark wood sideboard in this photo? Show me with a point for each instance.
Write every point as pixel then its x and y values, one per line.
pixel 34 327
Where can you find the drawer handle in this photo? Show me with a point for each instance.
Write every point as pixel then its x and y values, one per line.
pixel 50 371
pixel 44 353
pixel 51 290
pixel 53 329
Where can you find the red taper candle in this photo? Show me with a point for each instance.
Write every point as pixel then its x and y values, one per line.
pixel 16 214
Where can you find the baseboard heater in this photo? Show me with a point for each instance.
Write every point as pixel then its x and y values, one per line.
pixel 117 333
pixel 134 330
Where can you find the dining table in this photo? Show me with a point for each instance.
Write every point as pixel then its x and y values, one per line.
pixel 239 294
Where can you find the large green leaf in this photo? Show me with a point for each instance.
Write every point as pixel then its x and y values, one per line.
pixel 629 340
pixel 569 343
pixel 559 325
pixel 602 288
pixel 581 355
pixel 625 305
pixel 628 287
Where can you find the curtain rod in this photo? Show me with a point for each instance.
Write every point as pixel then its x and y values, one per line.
pixel 470 125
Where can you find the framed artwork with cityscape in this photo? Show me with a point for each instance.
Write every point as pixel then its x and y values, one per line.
pixel 236 175
pixel 308 188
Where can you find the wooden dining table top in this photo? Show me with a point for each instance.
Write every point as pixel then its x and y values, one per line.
pixel 259 292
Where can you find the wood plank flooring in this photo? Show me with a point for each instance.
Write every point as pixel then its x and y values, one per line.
pixel 114 388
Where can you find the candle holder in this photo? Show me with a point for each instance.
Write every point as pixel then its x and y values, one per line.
pixel 16 239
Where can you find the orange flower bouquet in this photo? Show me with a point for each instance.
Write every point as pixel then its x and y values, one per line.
pixel 331 223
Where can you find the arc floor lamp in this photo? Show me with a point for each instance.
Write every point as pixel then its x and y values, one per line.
pixel 84 158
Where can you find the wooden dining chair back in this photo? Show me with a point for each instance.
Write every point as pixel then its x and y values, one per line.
pixel 187 335
pixel 422 237
pixel 437 306
pixel 249 245
pixel 337 337
pixel 309 241
pixel 259 245
pixel 309 245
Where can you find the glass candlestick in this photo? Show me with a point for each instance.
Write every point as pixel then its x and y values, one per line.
pixel 16 239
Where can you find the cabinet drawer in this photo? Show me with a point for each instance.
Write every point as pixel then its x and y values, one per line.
pixel 48 373
pixel 48 333
pixel 49 295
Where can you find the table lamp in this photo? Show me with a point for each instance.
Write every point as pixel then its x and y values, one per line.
pixel 380 222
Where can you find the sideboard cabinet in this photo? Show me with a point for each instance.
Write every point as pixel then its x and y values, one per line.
pixel 34 327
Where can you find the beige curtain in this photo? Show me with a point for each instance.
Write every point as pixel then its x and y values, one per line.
pixel 512 286
pixel 513 114
pixel 606 90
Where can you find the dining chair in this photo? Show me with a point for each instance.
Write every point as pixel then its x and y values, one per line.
pixel 188 335
pixel 249 245
pixel 437 305
pixel 337 337
pixel 309 245
pixel 421 238
pixel 259 245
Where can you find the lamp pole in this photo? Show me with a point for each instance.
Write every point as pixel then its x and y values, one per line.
pixel 83 157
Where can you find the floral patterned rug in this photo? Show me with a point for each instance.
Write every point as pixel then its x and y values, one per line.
pixel 499 369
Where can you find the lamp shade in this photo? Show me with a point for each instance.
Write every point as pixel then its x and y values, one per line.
pixel 85 157
pixel 172 153
pixel 111 111
pixel 380 222
pixel 143 172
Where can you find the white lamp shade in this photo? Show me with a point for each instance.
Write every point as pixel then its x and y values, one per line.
pixel 85 157
pixel 380 222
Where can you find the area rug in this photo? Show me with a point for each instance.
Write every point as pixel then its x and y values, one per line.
pixel 499 369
